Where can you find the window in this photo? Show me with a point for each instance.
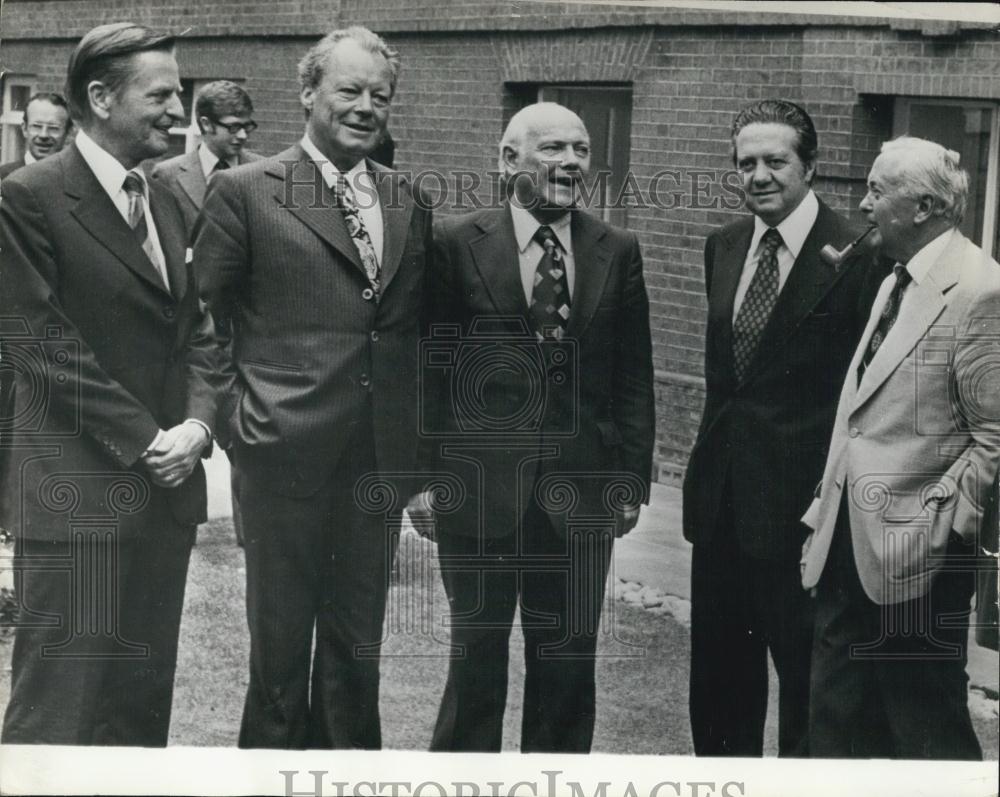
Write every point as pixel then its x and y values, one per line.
pixel 606 110
pixel 184 139
pixel 971 128
pixel 16 93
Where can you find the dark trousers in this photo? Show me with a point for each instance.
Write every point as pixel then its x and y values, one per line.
pixel 317 564
pixel 741 608
pixel 890 681
pixel 559 584
pixel 96 646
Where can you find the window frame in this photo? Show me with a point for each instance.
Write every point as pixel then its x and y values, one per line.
pixel 11 119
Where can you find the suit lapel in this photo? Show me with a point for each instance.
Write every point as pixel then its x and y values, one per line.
pixel 304 194
pixel 397 209
pixel 192 179
pixel 922 304
pixel 95 211
pixel 725 278
pixel 173 240
pixel 495 255
pixel 592 260
pixel 808 282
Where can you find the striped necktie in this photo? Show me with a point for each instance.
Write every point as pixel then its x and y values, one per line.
pixel 135 187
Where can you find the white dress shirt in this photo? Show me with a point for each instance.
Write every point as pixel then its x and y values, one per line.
pixel 365 195
pixel 111 175
pixel 29 158
pixel 794 230
pixel 208 160
pixel 919 265
pixel 530 251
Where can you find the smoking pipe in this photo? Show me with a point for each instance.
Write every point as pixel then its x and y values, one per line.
pixel 829 255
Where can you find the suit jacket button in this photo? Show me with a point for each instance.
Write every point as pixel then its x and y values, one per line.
pixel 855 432
pixel 169 312
pixel 374 336
pixel 367 294
pixel 365 380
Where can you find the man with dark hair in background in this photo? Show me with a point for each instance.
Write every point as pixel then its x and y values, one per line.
pixel 782 325
pixel 45 126
pixel 107 488
pixel 225 119
pixel 315 258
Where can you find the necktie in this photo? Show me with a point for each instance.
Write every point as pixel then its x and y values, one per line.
pixel 890 312
pixel 550 300
pixel 220 166
pixel 135 188
pixel 356 227
pixel 757 305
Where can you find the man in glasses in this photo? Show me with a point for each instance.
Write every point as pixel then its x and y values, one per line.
pixel 224 112
pixel 45 126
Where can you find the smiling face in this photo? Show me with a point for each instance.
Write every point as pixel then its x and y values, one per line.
pixel 216 136
pixel 774 177
pixel 45 128
pixel 349 108
pixel 133 122
pixel 549 161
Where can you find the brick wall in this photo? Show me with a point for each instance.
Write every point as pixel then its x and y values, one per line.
pixel 464 64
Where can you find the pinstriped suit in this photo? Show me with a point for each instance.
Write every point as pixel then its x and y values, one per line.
pixel 322 388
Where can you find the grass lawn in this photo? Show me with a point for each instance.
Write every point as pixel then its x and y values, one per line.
pixel 642 672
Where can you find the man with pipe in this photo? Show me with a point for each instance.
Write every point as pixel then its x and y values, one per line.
pixel 782 325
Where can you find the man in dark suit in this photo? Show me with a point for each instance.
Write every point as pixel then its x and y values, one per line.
pixel 112 408
pixel 316 257
pixel 224 112
pixel 782 325
pixel 225 118
pixel 539 390
pixel 45 126
pixel 912 467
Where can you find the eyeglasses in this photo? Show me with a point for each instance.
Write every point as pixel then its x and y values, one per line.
pixel 235 127
pixel 38 129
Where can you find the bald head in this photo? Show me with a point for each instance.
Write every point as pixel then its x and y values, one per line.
pixel 545 153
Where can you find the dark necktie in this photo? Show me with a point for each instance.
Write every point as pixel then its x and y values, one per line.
pixel 550 300
pixel 890 312
pixel 758 303
pixel 135 188
pixel 220 166
pixel 356 227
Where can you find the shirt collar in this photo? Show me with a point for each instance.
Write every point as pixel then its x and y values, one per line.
pixel 794 228
pixel 209 159
pixel 28 157
pixel 327 169
pixel 525 226
pixel 922 261
pixel 106 167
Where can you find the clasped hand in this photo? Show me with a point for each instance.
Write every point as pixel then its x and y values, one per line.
pixel 176 451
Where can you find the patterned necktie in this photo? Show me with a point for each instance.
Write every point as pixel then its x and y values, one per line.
pixel 135 188
pixel 356 227
pixel 890 312
pixel 550 300
pixel 757 305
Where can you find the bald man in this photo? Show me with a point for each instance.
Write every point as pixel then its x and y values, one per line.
pixel 553 451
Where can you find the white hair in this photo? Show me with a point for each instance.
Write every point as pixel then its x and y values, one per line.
pixel 925 168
